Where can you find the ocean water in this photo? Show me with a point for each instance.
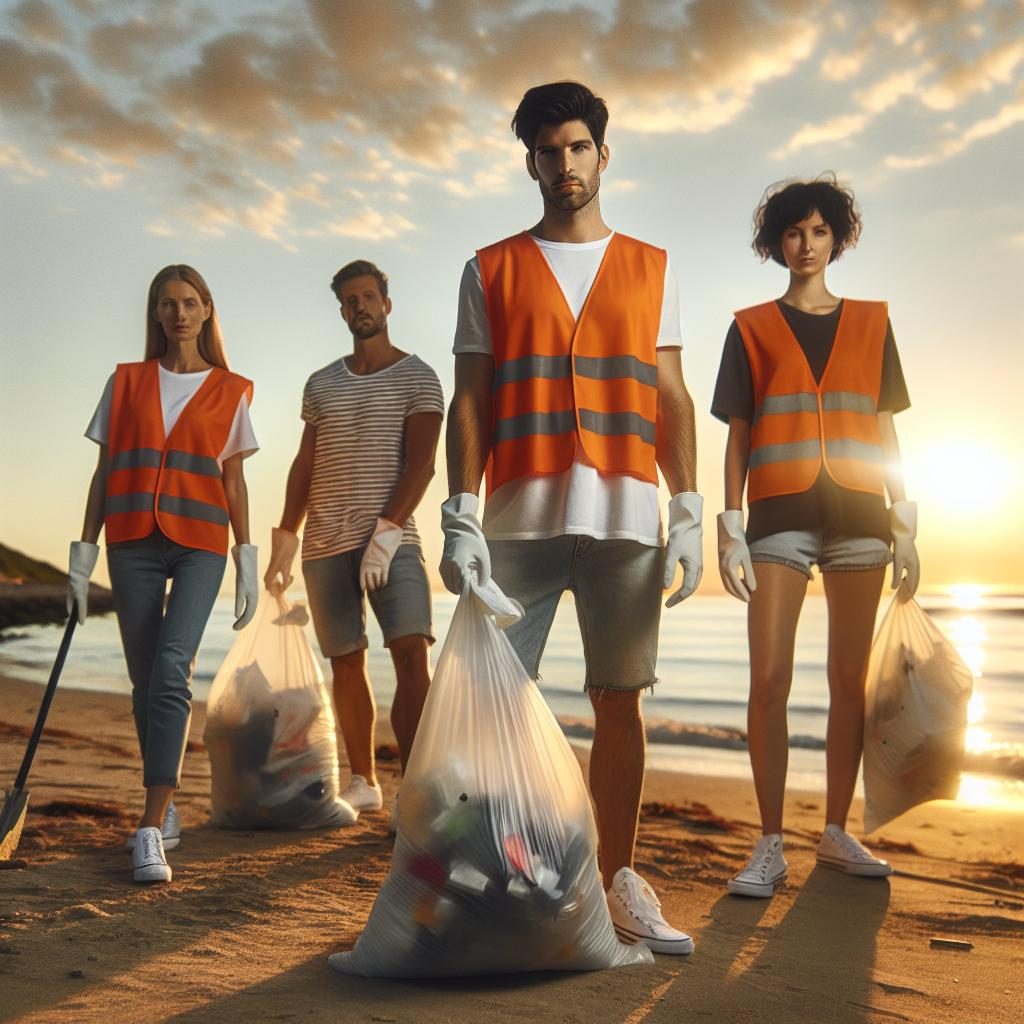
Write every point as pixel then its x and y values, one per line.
pixel 699 705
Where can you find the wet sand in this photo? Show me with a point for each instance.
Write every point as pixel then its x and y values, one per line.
pixel 243 931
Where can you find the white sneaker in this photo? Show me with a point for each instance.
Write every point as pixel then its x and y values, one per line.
pixel 148 861
pixel 839 850
pixel 361 796
pixel 636 914
pixel 170 830
pixel 765 871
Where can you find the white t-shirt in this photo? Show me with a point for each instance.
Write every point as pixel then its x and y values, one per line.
pixel 175 391
pixel 582 500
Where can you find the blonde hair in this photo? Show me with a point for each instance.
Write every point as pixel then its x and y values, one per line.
pixel 211 341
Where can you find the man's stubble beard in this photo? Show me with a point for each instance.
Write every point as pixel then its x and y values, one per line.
pixel 574 201
pixel 363 329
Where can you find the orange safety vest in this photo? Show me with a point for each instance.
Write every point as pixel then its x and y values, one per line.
pixel 800 424
pixel 560 382
pixel 171 482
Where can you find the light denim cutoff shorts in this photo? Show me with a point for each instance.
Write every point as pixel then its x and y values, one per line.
pixel 402 606
pixel 829 550
pixel 617 588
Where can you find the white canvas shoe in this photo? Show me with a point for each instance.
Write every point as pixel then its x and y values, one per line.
pixel 170 830
pixel 361 796
pixel 765 871
pixel 636 915
pixel 148 861
pixel 839 850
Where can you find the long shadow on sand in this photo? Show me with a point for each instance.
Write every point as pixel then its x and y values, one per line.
pixel 814 966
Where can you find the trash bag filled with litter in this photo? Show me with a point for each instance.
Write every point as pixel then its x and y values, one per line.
pixel 270 729
pixel 915 721
pixel 495 867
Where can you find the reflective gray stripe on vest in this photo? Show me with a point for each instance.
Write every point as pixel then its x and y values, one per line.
pixel 201 465
pixel 848 401
pixel 611 424
pixel 137 501
pixel 771 453
pixel 617 368
pixel 136 458
pixel 191 509
pixel 775 405
pixel 527 367
pixel 848 448
pixel 528 423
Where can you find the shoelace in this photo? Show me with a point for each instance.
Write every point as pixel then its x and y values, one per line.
pixel 151 847
pixel 854 848
pixel 643 905
pixel 764 859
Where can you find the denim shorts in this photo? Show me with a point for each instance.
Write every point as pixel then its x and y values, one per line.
pixel 829 550
pixel 617 588
pixel 402 606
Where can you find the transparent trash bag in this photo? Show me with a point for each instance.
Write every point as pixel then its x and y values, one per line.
pixel 915 714
pixel 494 868
pixel 270 729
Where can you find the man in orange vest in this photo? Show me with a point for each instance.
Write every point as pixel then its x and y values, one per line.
pixel 569 391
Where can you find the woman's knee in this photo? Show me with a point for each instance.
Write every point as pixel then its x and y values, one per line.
pixel 769 688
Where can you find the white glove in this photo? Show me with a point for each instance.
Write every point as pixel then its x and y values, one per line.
pixel 465 551
pixel 684 544
pixel 373 569
pixel 81 563
pixel 733 554
pixel 247 591
pixel 903 522
pixel 283 546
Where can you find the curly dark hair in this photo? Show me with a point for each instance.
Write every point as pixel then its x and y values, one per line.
pixel 556 103
pixel 788 202
pixel 359 268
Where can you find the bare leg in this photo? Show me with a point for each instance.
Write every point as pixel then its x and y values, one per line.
pixel 157 800
pixel 852 603
pixel 356 711
pixel 616 776
pixel 412 679
pixel 771 627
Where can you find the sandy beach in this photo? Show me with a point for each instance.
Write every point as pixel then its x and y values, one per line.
pixel 243 931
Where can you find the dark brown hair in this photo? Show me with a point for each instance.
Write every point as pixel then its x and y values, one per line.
pixel 359 268
pixel 788 202
pixel 555 104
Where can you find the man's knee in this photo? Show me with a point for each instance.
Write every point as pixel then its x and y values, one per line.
pixel 409 653
pixel 615 706
pixel 349 667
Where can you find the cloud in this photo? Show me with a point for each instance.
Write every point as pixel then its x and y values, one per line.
pixel 372 225
pixel 19 166
pixel 37 20
pixel 964 79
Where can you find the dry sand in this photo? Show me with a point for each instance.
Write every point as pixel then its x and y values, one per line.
pixel 243 932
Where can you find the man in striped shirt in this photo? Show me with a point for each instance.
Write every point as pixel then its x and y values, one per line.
pixel 372 421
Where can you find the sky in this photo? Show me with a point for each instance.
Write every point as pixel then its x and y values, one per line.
pixel 268 144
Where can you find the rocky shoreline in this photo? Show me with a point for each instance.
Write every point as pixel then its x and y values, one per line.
pixel 26 604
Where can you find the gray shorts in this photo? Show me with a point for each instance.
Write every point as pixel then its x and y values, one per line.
pixel 617 588
pixel 830 551
pixel 402 607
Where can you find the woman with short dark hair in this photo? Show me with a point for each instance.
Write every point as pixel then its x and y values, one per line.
pixel 808 385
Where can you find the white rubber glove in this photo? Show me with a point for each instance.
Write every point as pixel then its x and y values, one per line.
pixel 684 544
pixel 81 563
pixel 283 547
pixel 733 555
pixel 465 551
pixel 903 522
pixel 373 569
pixel 247 591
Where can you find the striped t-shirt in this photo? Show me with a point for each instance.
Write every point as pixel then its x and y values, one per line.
pixel 360 451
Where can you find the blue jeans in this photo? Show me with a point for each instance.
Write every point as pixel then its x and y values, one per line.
pixel 160 645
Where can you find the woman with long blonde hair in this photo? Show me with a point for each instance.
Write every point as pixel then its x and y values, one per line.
pixel 172 431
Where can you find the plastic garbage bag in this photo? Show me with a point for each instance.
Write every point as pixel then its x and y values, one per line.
pixel 915 714
pixel 270 729
pixel 494 868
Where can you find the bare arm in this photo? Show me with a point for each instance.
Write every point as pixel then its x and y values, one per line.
pixel 421 432
pixel 238 497
pixel 296 495
pixel 468 440
pixel 737 460
pixel 95 501
pixel 893 464
pixel 676 448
